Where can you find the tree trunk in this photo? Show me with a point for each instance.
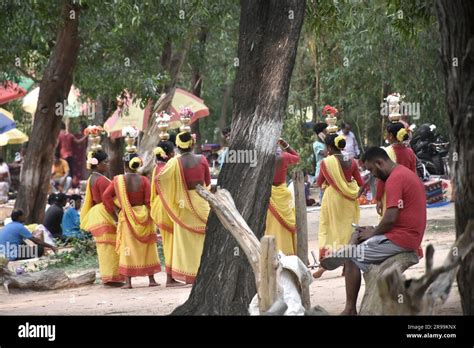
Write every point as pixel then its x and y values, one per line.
pixel 222 123
pixel 54 88
pixel 268 40
pixel 456 23
pixel 197 83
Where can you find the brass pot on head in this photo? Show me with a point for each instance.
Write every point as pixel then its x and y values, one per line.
pixel 95 142
pixel 130 141
pixel 185 120
pixel 163 127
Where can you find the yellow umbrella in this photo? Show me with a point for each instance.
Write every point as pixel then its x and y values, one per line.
pixel 13 136
pixel 30 102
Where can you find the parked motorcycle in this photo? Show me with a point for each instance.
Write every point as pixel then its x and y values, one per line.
pixel 432 151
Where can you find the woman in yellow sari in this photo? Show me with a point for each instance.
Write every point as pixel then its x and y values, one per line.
pixel 183 206
pixel 340 207
pixel 136 236
pixel 96 220
pixel 281 219
pixel 163 152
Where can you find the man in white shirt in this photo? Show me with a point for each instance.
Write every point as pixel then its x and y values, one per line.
pixel 352 148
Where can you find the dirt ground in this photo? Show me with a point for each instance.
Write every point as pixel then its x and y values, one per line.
pixel 328 291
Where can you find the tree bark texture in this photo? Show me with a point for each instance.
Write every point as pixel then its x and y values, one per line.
pixel 456 23
pixel 54 88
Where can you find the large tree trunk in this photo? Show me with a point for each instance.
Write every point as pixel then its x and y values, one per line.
pixel 456 23
pixel 268 39
pixel 54 88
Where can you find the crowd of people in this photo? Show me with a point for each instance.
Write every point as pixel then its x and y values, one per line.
pixel 124 213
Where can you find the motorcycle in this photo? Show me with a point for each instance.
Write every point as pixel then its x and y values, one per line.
pixel 431 150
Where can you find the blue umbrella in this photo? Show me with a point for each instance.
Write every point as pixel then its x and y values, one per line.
pixel 6 121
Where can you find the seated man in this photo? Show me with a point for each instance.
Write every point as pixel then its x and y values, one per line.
pixel 60 177
pixel 12 236
pixel 71 219
pixel 54 215
pixel 400 230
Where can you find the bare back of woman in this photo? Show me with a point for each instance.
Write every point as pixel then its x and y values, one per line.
pixel 133 182
pixel 190 160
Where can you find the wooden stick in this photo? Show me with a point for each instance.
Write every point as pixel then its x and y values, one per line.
pixel 301 230
pixel 268 287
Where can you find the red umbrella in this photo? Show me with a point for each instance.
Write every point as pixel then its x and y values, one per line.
pixel 10 91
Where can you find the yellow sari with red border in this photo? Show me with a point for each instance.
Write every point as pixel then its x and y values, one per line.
pixel 165 225
pixel 281 219
pixel 339 208
pixel 96 220
pixel 188 212
pixel 136 236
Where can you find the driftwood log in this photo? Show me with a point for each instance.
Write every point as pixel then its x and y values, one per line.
pixel 372 302
pixel 50 279
pixel 420 296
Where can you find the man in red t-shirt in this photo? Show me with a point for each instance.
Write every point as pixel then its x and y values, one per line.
pixel 400 230
pixel 66 143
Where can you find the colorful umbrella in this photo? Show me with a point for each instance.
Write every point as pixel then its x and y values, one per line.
pixel 13 136
pixel 10 91
pixel 131 114
pixel 6 121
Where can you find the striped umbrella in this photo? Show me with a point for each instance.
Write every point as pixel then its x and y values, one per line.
pixel 182 99
pixel 131 113
pixel 6 121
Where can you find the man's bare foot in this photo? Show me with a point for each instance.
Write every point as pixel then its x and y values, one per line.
pixel 126 286
pixel 174 283
pixel 348 312
pixel 319 273
pixel 152 284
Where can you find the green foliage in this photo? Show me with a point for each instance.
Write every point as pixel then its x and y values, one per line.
pixel 83 255
pixel 351 51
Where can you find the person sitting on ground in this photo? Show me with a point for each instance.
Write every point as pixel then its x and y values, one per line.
pixel 400 230
pixel 71 219
pixel 12 236
pixel 54 216
pixel 60 178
